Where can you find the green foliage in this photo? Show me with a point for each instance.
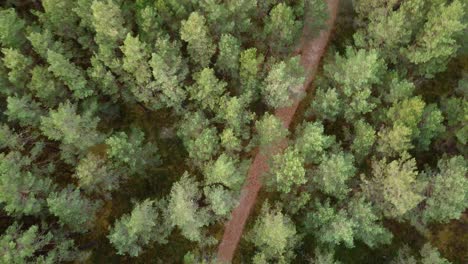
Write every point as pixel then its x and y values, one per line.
pixel 408 113
pixel 73 209
pixel 21 192
pixel 358 222
pixel 169 71
pixel 281 28
pixel 367 227
pixel 226 171
pixel 283 83
pixel 207 89
pixel 448 191
pixel 200 45
pixel 45 87
pixel 110 30
pixel 312 142
pixel 28 246
pixel 11 29
pixel 58 17
pixel 287 170
pixel 183 209
pixel 10 139
pixel 436 43
pixel 42 41
pixel 430 127
pixel 364 139
pixel 66 125
pixel 333 173
pixel 69 73
pixel 235 115
pixel 323 257
pixel 456 112
pixel 24 110
pixel 270 131
pixel 393 141
pixel 221 200
pixel 130 153
pixel 138 229
pixel 95 175
pixel 353 75
pixel 229 53
pixel 274 235
pixel 331 226
pixel 18 65
pixel 249 70
pixel 199 138
pixel 327 104
pixel 428 255
pixel 136 59
pixel 394 187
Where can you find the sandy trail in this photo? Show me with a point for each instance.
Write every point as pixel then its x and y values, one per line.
pixel 312 51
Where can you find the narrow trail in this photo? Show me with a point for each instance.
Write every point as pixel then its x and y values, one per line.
pixel 312 50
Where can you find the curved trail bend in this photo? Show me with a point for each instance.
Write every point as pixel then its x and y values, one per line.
pixel 312 51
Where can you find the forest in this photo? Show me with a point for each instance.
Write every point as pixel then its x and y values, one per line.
pixel 234 131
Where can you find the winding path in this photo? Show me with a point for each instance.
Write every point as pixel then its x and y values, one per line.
pixel 312 50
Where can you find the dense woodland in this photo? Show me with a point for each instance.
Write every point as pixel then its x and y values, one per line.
pixel 127 129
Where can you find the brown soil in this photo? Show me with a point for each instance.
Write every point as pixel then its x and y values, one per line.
pixel 312 50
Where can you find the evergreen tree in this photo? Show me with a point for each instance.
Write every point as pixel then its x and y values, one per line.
pixel 448 191
pixel 28 246
pixel 169 71
pixel 21 192
pixel 333 173
pixel 312 142
pixel 270 131
pixel 135 60
pixel 130 153
pixel 287 170
pixel 436 43
pixel 66 125
pixel 394 187
pixel 281 28
pixel 73 209
pixel 283 83
pixel 11 29
pixel 274 235
pixel 134 231
pixel 183 210
pixel 229 53
pixel 200 45
pixel 207 89
pixel 69 73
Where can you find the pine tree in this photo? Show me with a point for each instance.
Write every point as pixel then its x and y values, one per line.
pixel 312 142
pixel 274 235
pixel 394 187
pixel 66 125
pixel 287 170
pixel 11 29
pixel 138 229
pixel 436 43
pixel 69 73
pixel 22 192
pixel 183 210
pixel 333 173
pixel 73 209
pixel 283 83
pixel 200 46
pixel 448 191
pixel 270 131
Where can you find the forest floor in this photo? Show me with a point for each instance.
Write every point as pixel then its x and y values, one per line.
pixel 312 49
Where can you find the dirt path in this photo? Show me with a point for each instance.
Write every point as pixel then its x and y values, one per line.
pixel 311 53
